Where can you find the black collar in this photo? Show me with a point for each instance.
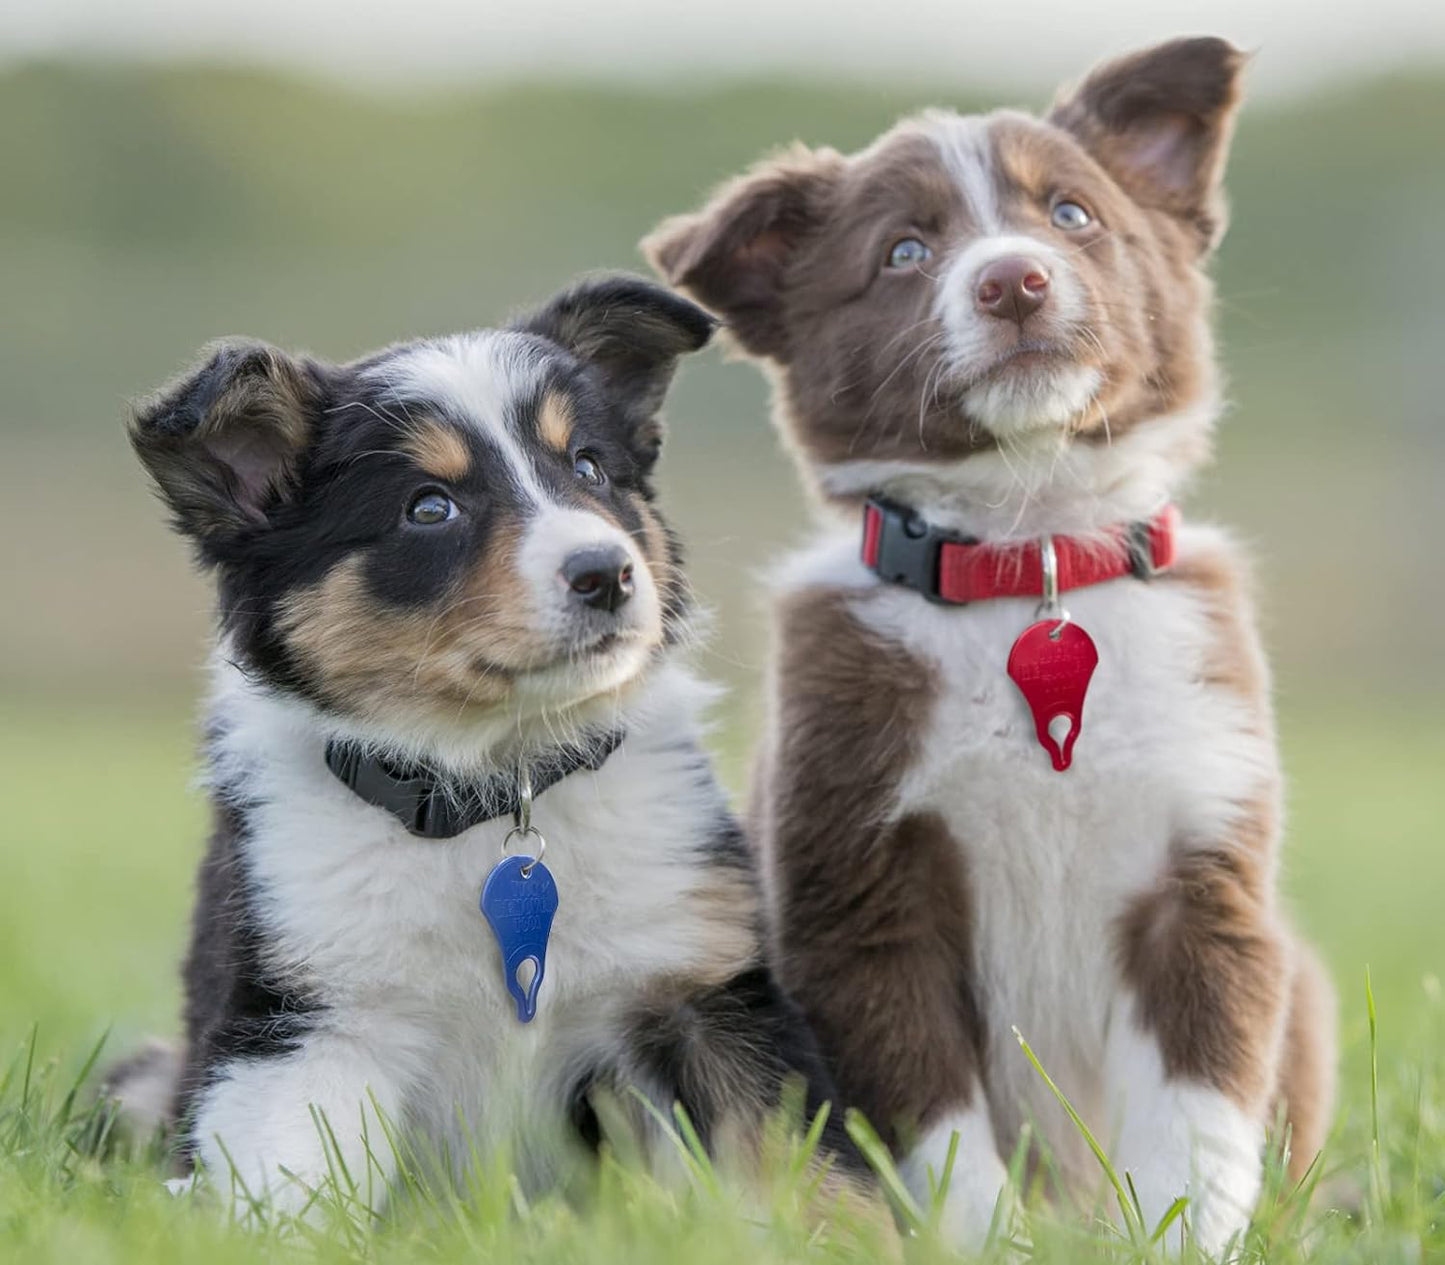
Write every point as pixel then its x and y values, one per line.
pixel 433 806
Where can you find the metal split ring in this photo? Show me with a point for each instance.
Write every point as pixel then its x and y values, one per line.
pixel 525 832
pixel 523 818
pixel 1051 607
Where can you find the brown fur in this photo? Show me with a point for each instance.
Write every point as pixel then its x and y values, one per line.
pixel 554 421
pixel 439 451
pixel 1235 1000
pixel 461 652
pixel 737 251
pixel 725 906
pixel 1234 660
pixel 1210 967
pixel 1306 1087
pixel 872 920
pixel 791 254
pixel 1154 261
pixel 370 658
pixel 1160 120
pixel 795 256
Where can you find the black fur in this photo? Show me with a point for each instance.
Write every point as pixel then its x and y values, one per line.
pixel 238 1006
pixel 731 1051
pixel 629 334
pixel 281 470
pixel 278 468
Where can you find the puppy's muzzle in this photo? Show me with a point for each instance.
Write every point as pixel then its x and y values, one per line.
pixel 600 577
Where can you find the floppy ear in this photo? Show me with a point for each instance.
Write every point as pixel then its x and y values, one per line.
pixel 631 332
pixel 732 256
pixel 223 441
pixel 1159 121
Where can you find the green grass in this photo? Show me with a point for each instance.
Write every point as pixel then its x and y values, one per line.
pixel 97 841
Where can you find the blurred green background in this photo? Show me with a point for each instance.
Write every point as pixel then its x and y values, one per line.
pixel 147 209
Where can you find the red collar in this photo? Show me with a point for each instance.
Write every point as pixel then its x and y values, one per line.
pixel 904 549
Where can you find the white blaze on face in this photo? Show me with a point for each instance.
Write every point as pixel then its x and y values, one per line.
pixel 1007 399
pixel 552 535
pixel 478 379
pixel 475 377
pixel 967 153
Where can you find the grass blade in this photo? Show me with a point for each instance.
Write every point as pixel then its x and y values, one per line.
pixel 1171 1215
pixel 68 1103
pixel 1377 1167
pixel 866 1139
pixel 29 1069
pixel 1127 1208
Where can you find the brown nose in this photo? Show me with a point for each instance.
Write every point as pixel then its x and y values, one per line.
pixel 1012 288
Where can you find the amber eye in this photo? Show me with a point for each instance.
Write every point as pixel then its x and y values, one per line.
pixel 908 253
pixel 1070 216
pixel 431 507
pixel 587 468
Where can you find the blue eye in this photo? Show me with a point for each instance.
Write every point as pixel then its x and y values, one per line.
pixel 1070 216
pixel 431 507
pixel 908 253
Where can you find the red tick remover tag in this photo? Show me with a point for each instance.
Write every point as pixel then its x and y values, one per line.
pixel 1051 663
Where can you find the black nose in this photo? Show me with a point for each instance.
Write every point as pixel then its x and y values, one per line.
pixel 599 577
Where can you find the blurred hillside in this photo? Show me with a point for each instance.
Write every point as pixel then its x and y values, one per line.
pixel 143 212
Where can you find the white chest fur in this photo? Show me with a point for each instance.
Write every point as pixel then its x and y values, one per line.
pixel 386 927
pixel 1053 859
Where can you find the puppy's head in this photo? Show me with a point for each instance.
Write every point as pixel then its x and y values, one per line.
pixel 967 283
pixel 453 529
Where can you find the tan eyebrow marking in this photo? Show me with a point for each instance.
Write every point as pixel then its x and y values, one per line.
pixel 439 450
pixel 554 421
pixel 1024 161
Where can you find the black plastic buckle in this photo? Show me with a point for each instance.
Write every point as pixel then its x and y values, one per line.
pixel 908 549
pixel 409 795
pixel 1139 540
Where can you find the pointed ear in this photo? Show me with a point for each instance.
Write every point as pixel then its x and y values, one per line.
pixel 1159 121
pixel 732 256
pixel 631 332
pixel 223 441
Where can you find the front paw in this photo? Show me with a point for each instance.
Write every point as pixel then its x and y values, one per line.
pixel 1205 1150
pixel 1216 1212
pixel 270 1196
pixel 978 1197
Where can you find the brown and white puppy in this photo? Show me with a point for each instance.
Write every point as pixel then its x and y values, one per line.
pixel 1001 324
pixel 439 568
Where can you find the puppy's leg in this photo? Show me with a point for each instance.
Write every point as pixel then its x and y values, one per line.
pixel 978 1178
pixel 887 989
pixel 276 1130
pixel 1307 1071
pixel 871 906
pixel 1192 1064
pixel 725 1053
pixel 1183 1137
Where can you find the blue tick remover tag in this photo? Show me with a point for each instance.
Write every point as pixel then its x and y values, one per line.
pixel 519 900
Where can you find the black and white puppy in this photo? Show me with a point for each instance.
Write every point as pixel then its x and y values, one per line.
pixel 443 584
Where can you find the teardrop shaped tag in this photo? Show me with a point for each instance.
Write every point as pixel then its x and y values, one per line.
pixel 519 907
pixel 1052 664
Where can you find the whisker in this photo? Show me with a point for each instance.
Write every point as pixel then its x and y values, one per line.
pixel 1102 237
pixel 931 341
